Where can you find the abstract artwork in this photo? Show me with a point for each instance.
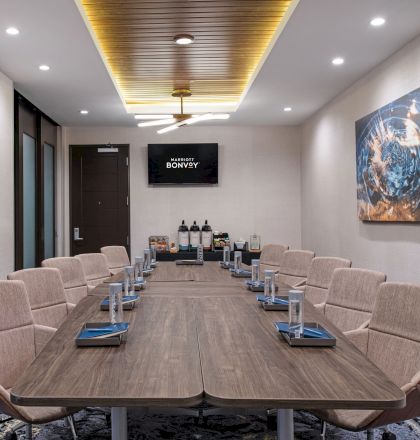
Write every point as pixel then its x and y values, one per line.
pixel 388 162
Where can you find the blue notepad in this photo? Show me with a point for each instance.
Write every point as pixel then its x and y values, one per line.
pixel 104 332
pixel 308 332
pixel 263 298
pixel 126 299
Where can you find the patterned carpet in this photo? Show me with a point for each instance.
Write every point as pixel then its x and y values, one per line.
pixel 93 426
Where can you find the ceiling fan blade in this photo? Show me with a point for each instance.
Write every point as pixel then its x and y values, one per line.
pixel 207 117
pixel 148 117
pixel 170 128
pixel 157 122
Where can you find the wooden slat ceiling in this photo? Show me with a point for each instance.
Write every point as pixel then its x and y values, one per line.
pixel 136 41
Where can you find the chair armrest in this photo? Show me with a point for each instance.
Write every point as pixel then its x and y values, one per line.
pixel 300 284
pixel 414 382
pixel 320 307
pixel 70 307
pixel 359 338
pixel 42 335
pixel 6 406
pixel 364 325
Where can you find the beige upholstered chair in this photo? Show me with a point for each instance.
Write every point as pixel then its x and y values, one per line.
pixel 351 297
pixel 46 295
pixel 392 342
pixel 320 276
pixel 20 341
pixel 294 267
pixel 74 280
pixel 271 256
pixel 117 258
pixel 95 268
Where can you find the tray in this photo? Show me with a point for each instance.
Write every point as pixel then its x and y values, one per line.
pixel 242 274
pixel 139 286
pixel 189 262
pixel 102 342
pixel 126 306
pixel 329 341
pixel 259 288
pixel 276 306
pixel 226 266
pixel 147 272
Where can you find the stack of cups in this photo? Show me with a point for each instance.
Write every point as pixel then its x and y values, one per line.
pixel 255 271
pixel 129 280
pixel 238 261
pixel 147 259
pixel 138 265
pixel 116 313
pixel 226 255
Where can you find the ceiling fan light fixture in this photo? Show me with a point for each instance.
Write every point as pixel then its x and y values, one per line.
pixel 147 117
pixel 156 122
pixel 184 39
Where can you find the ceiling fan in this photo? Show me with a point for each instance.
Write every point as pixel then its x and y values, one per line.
pixel 180 119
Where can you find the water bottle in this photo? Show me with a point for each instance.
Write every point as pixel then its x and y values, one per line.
pixel 296 301
pixel 271 294
pixel 129 280
pixel 238 261
pixel 139 262
pixel 153 253
pixel 267 286
pixel 255 270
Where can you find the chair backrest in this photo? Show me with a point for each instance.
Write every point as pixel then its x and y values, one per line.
pixel 74 280
pixel 351 297
pixel 17 339
pixel 295 266
pixel 46 294
pixel 394 331
pixel 320 276
pixel 116 256
pixel 95 267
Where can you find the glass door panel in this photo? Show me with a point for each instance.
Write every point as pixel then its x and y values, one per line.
pixel 49 230
pixel 29 201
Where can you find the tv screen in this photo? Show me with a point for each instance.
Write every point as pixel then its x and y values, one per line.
pixel 183 163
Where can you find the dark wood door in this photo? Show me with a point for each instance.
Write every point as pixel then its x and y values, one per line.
pixel 99 197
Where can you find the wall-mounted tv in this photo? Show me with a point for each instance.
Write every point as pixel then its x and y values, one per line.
pixel 183 163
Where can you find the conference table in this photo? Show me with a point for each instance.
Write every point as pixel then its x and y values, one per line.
pixel 199 336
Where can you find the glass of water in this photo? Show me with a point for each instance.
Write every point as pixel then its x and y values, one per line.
pixel 255 272
pixel 129 280
pixel 153 253
pixel 238 261
pixel 296 301
pixel 267 288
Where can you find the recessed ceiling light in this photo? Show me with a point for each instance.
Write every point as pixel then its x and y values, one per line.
pixel 287 109
pixel 377 21
pixel 144 117
pixel 183 39
pixel 12 31
pixel 44 67
pixel 84 112
pixel 338 61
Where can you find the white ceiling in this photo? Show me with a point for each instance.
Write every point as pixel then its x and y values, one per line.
pixel 297 73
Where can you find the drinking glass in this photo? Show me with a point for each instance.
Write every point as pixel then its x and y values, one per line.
pixel 296 301
pixel 115 303
pixel 255 266
pixel 138 264
pixel 267 287
pixel 226 254
pixel 238 260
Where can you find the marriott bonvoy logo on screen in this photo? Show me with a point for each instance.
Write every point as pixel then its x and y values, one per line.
pixel 182 162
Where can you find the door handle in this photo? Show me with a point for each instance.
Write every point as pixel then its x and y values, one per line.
pixel 76 235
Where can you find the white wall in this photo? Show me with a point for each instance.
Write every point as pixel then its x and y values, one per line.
pixel 330 225
pixel 257 165
pixel 7 176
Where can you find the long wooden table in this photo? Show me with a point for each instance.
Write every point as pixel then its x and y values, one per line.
pixel 197 335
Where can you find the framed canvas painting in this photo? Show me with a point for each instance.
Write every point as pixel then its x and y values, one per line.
pixel 388 163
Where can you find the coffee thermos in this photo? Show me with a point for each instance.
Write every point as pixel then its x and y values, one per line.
pixel 194 236
pixel 183 237
pixel 206 237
